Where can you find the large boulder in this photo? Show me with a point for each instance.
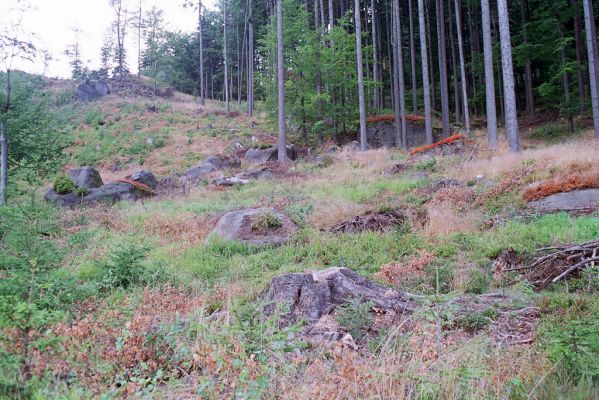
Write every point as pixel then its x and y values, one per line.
pixel 144 177
pixel 260 156
pixel 94 192
pixel 107 194
pixel 215 163
pixel 90 91
pixel 576 201
pixel 382 135
pixel 86 177
pixel 260 226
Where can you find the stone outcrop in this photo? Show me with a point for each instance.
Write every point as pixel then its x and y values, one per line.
pixel 215 163
pixel 90 91
pixel 270 154
pixel 246 226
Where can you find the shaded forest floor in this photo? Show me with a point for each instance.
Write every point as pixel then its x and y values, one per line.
pixel 189 327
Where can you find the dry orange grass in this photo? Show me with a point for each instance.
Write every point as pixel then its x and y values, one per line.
pixel 443 220
pixel 580 156
pixel 186 230
pixel 333 211
pixel 566 184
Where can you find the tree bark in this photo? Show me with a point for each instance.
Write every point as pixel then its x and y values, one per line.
pixel 593 56
pixel 565 80
pixel 428 31
pixel 458 20
pixel 226 78
pixel 511 113
pixel 282 142
pixel 4 142
pixel 361 100
pixel 428 115
pixel 413 61
pixel 489 77
pixel 201 44
pixel 375 59
pixel 401 78
pixel 579 59
pixel 528 85
pixel 250 82
pixel 318 73
pixel 440 9
pixel 454 68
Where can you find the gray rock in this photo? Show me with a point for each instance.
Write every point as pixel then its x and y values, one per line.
pixel 107 194
pixel 145 177
pixel 570 201
pixel 90 91
pixel 212 164
pixel 382 135
pixel 260 156
pixel 230 181
pixel 237 226
pixel 87 177
pixel 258 174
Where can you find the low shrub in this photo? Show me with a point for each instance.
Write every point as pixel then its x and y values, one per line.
pixel 355 317
pixel 63 184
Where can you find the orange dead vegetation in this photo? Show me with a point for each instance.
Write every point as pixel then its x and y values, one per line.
pixel 137 185
pixel 448 140
pixel 560 185
pixel 391 118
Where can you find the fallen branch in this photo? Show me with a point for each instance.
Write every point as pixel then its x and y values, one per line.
pixel 448 140
pixel 562 262
pixel 391 118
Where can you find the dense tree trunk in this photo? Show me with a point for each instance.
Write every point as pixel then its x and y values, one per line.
pixel 593 56
pixel 318 73
pixel 565 80
pixel 375 59
pixel 528 84
pixel 489 76
pixel 458 19
pixel 250 79
pixel 579 58
pixel 429 49
pixel 414 71
pixel 443 68
pixel 4 141
pixel 454 68
pixel 428 115
pixel 401 80
pixel 226 80
pixel 201 45
pixel 361 100
pixel 282 142
pixel 511 114
pixel 139 23
pixel 498 68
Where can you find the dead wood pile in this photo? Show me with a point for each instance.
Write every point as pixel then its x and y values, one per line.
pixel 377 222
pixel 562 262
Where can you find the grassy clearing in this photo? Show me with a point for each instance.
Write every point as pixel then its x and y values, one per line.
pixel 167 313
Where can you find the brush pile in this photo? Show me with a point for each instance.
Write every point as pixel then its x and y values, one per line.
pixel 377 222
pixel 562 262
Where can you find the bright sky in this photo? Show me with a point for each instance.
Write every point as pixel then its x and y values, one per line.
pixel 52 21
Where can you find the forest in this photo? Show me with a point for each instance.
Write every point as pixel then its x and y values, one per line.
pixel 323 199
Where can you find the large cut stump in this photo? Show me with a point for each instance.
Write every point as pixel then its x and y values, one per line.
pixel 311 296
pixel 261 226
